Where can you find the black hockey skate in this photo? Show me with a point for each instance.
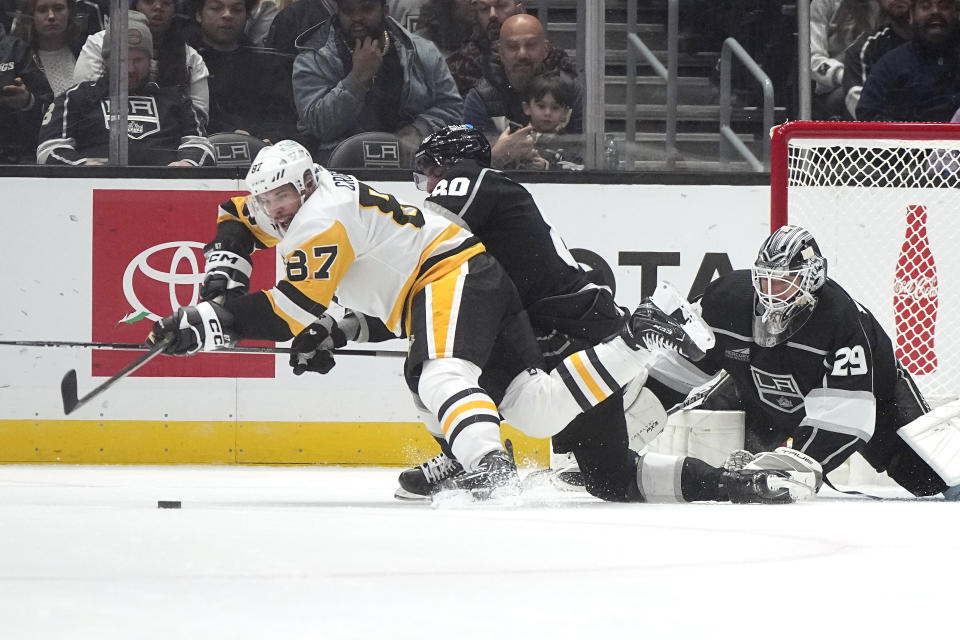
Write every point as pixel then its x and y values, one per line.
pixel 651 328
pixel 424 480
pixel 748 486
pixel 495 476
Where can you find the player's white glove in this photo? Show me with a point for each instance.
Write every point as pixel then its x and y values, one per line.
pixel 192 329
pixel 227 275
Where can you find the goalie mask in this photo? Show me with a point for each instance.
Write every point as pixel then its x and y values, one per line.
pixel 280 179
pixel 787 273
pixel 446 146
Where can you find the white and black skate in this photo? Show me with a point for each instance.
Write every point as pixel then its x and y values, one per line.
pixel 747 486
pixel 495 477
pixel 651 328
pixel 422 481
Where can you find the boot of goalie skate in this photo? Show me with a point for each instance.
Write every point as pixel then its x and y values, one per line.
pixel 746 486
pixel 651 328
pixel 422 481
pixel 495 476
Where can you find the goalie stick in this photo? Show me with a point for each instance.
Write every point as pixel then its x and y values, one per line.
pixel 134 346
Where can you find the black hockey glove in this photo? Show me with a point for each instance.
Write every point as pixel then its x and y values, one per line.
pixel 227 276
pixel 313 346
pixel 192 329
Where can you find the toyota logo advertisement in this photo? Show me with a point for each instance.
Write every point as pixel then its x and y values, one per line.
pixel 147 261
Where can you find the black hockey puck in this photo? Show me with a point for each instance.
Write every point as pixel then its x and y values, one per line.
pixel 168 504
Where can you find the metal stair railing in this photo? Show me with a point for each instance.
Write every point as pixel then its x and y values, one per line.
pixel 728 139
pixel 668 74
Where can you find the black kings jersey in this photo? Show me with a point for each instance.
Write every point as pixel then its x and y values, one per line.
pixel 823 383
pixel 503 214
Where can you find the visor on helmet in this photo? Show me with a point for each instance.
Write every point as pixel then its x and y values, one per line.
pixel 277 206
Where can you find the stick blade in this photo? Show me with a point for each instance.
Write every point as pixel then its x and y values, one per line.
pixel 68 391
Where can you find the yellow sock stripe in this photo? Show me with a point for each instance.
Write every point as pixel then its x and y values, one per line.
pixel 467 406
pixel 588 379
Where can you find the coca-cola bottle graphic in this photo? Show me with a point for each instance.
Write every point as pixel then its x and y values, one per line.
pixel 916 296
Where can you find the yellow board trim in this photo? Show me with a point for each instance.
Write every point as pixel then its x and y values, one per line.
pixel 230 442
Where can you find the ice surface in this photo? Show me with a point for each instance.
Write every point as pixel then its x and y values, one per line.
pixel 319 552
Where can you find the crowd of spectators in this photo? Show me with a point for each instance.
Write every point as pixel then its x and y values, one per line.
pixel 326 71
pixel 318 71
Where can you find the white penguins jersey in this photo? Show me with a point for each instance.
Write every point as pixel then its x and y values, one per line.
pixel 364 246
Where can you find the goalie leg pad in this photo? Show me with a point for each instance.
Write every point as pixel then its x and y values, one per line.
pixel 935 437
pixel 644 414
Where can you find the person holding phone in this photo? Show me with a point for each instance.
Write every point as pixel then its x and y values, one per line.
pixel 24 95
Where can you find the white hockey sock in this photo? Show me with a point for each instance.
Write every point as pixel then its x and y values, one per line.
pixel 467 416
pixel 658 476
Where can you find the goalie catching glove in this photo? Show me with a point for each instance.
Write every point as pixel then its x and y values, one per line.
pixel 192 329
pixel 314 345
pixel 779 476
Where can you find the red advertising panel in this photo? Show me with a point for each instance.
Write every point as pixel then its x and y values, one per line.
pixel 147 261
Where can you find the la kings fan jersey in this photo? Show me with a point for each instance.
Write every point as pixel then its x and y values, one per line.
pixel 505 217
pixel 823 386
pixel 373 251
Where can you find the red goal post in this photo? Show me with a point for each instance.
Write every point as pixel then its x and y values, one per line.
pixel 883 202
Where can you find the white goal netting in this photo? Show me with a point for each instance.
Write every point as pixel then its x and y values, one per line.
pixel 883 203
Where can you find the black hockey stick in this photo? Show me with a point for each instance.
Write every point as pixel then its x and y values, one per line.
pixel 68 386
pixel 134 346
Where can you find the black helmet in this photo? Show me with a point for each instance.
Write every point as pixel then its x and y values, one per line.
pixel 451 144
pixel 789 269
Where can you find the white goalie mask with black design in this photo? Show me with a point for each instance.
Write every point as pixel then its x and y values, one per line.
pixel 280 179
pixel 788 272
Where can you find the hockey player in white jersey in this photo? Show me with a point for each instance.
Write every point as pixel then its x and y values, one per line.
pixel 425 278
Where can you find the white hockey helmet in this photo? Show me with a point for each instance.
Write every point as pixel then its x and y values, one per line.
pixel 788 271
pixel 284 163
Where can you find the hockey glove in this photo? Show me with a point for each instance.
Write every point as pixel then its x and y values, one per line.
pixel 313 346
pixel 192 329
pixel 227 276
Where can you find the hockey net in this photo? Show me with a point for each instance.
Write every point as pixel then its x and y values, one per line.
pixel 882 200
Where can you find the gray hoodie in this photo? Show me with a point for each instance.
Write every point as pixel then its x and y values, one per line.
pixel 328 102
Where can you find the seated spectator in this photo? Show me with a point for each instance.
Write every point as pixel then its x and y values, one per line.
pixel 919 81
pixel 249 92
pixel 175 63
pixel 52 33
pixel 834 26
pixel 24 95
pixel 406 12
pixel 295 17
pixel 860 58
pixel 364 72
pixel 548 105
pixel 259 20
pixel 493 104
pixel 476 57
pixel 162 127
pixel 448 24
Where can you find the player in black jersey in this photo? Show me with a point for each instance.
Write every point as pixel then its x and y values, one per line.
pixel 808 362
pixel 569 309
